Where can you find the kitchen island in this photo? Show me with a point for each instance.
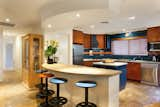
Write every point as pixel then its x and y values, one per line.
pixel 121 66
pixel 104 95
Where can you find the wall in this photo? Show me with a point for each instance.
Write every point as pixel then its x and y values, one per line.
pixel 130 34
pixel 1 51
pixel 64 51
pixel 15 40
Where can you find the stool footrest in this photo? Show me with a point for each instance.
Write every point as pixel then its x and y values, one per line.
pixel 40 95
pixel 48 92
pixel 57 101
pixel 83 104
pixel 40 85
pixel 45 105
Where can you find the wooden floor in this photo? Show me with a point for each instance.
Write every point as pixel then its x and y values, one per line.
pixel 14 94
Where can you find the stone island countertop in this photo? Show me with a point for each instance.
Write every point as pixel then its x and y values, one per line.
pixel 82 70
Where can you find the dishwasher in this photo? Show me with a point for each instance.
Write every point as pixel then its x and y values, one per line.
pixel 150 73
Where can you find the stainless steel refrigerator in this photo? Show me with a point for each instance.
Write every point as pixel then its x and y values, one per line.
pixel 78 54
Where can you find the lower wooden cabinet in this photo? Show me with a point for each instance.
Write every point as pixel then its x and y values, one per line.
pixel 134 71
pixel 89 63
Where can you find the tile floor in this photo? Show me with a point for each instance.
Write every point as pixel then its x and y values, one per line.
pixel 14 94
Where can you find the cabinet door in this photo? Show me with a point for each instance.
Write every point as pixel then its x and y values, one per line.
pixel 36 59
pixel 134 71
pixel 153 34
pixel 77 37
pixel 87 41
pixel 88 63
pixel 101 41
pixel 25 59
pixel 108 43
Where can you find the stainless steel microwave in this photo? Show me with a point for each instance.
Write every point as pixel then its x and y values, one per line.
pixel 154 46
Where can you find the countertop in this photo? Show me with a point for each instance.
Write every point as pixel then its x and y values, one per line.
pixel 116 64
pixel 81 70
pixel 125 60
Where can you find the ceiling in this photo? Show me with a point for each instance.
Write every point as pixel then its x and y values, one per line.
pixel 61 14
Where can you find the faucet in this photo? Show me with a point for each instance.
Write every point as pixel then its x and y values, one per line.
pixel 134 58
pixel 154 58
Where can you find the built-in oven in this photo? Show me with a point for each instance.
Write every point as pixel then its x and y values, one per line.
pixel 154 46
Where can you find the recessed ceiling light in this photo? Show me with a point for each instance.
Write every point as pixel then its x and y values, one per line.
pixel 132 18
pixel 7 20
pixel 78 15
pixel 49 26
pixel 92 26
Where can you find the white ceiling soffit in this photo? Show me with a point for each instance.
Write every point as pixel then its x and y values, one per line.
pixel 64 6
pixel 61 15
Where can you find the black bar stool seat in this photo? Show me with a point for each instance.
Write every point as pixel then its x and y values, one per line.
pixel 58 101
pixel 86 84
pixel 46 92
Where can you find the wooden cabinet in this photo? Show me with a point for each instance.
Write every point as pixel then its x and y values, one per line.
pixel 87 41
pixel 134 71
pixel 108 43
pixel 78 37
pixel 89 63
pixel 101 41
pixel 32 52
pixel 153 34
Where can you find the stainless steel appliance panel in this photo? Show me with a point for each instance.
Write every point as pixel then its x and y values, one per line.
pixel 149 74
pixel 78 54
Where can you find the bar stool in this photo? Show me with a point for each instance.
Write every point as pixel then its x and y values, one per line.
pixel 58 101
pixel 86 84
pixel 41 85
pixel 46 92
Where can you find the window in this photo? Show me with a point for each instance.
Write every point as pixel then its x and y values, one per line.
pixel 129 47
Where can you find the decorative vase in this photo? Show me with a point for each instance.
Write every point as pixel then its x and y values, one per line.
pixel 55 59
pixel 49 60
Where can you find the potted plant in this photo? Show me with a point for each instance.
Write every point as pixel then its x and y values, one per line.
pixel 51 50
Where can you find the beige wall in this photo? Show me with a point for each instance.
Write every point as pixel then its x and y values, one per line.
pixel 1 51
pixel 65 45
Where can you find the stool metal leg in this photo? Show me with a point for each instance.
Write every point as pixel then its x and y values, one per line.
pixel 86 103
pixel 46 104
pixel 58 101
pixel 58 90
pixel 86 96
pixel 47 90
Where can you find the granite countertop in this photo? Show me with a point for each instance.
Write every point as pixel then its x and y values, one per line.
pixel 125 60
pixel 81 70
pixel 116 64
pixel 143 61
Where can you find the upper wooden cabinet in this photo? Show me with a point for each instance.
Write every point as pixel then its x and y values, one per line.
pixel 87 41
pixel 101 41
pixel 153 34
pixel 78 37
